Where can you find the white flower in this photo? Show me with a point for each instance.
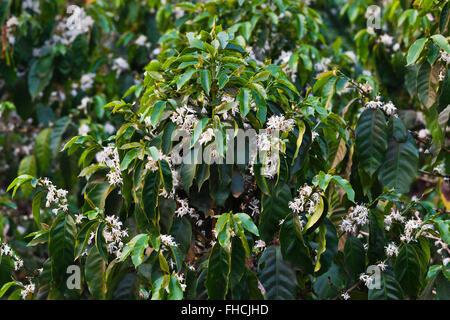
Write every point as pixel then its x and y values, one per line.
pixel 83 130
pixel 382 266
pixel 109 128
pixel 423 133
pixel 391 249
pixel 357 217
pixel 367 279
pixel 445 261
pixel 259 244
pixel 386 40
pixel 280 123
pixel 393 216
pixel 410 227
pixel 120 65
pixel 110 157
pixel 185 118
pixel 254 206
pixel 445 56
pixel 151 165
pixel 33 5
pixel 345 296
pixel 12 22
pixel 206 136
pixel 183 208
pixel 84 103
pixel 396 47
pixel 366 88
pixel 55 196
pixel 351 55
pixel 6 250
pixel 27 290
pixel 389 108
pixel 18 264
pixel 142 41
pixel 314 135
pixel 322 65
pixel 168 240
pixel 441 76
pixel 79 218
pixel 77 24
pixel 284 57
pixel 86 81
pixel 113 235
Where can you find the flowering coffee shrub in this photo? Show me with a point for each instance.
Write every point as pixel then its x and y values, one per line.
pixel 229 149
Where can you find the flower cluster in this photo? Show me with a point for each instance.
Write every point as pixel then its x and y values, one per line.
pixel 306 201
pixel 394 215
pixel 5 250
pixel 120 65
pixel 185 118
pixel 260 245
pixel 55 196
pixel 206 136
pixel 323 65
pixel 114 234
pixel 367 279
pixel 168 241
pixel 10 27
pixel 445 57
pixel 180 278
pixel 357 217
pixel 69 28
pixel 279 123
pixel 391 249
pixel 110 157
pixel 27 290
pixel 388 108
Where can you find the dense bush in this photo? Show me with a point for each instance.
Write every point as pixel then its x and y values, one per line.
pixel 120 131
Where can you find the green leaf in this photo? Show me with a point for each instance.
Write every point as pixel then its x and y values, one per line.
pixel 273 210
pixel 185 77
pixel 293 247
pixel 329 284
pixel 175 290
pixel 58 130
pixel 371 139
pixel 244 97
pixel 427 84
pixel 157 112
pixel 149 199
pixel 375 251
pixel 218 273
pixel 40 74
pixel 346 186
pixel 27 166
pixel 94 272
pixel 8 285
pixel 237 262
pixel 198 130
pixel 407 270
pixel 415 50
pixel 205 79
pixel 276 276
pixel 355 256
pixel 42 150
pixel 248 223
pixel 399 168
pixel 61 247
pixel 442 42
pixel 390 289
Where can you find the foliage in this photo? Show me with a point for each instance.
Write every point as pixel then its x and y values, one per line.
pixel 136 121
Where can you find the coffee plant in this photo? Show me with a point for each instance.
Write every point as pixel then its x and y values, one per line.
pixel 227 149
